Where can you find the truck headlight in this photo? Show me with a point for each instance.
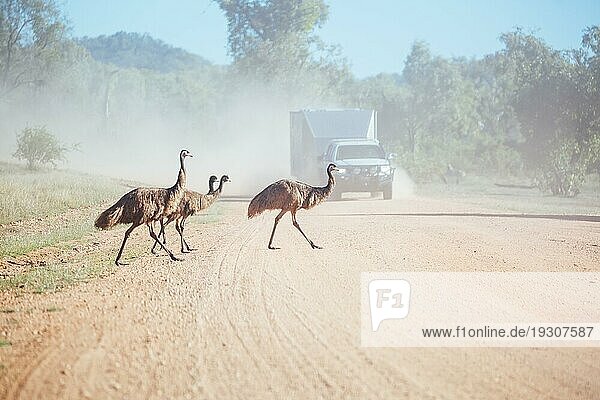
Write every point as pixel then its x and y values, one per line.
pixel 386 169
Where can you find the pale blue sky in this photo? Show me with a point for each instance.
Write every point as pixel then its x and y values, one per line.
pixel 375 35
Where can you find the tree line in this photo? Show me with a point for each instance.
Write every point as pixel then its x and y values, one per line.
pixel 525 110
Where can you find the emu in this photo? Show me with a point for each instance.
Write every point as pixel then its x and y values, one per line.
pixel 144 206
pixel 286 195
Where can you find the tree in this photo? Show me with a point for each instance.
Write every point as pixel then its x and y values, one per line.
pixel 442 111
pixel 439 114
pixel 556 103
pixel 587 59
pixel 268 24
pixel 39 147
pixel 31 35
pixel 274 41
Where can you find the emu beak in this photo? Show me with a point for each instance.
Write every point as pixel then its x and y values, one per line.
pixel 335 169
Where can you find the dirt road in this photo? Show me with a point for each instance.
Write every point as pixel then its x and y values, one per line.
pixel 235 320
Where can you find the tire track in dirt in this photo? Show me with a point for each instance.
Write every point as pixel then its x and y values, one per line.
pixel 315 327
pixel 298 358
pixel 227 282
pixel 251 291
pixel 238 321
pixel 252 303
pixel 44 370
pixel 17 389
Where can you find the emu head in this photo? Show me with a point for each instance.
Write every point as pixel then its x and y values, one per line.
pixel 225 178
pixel 332 168
pixel 184 153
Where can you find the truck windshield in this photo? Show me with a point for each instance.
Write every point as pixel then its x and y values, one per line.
pixel 359 151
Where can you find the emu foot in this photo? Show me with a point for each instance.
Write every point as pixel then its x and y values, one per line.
pixel 271 247
pixel 120 264
pixel 176 259
pixel 314 246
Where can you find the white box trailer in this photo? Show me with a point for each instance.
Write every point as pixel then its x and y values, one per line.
pixel 312 131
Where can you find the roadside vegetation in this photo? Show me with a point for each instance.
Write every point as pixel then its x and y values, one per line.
pixel 527 110
pixel 27 194
pixel 482 192
pixel 51 209
pixel 54 277
pixel 39 148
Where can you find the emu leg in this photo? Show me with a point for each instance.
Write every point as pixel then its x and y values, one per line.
pixel 312 244
pixel 182 226
pixel 179 228
pixel 127 233
pixel 277 218
pixel 162 232
pixel 153 235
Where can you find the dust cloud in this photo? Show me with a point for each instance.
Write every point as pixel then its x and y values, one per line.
pixel 245 137
pixel 403 185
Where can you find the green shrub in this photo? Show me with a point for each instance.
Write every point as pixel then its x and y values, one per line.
pixel 39 147
pixel 564 169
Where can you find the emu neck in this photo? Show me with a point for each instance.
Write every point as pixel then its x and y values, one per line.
pixel 211 187
pixel 327 189
pixel 330 182
pixel 220 188
pixel 181 178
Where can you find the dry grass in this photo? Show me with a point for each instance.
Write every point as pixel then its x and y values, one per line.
pixel 39 209
pixel 54 277
pixel 25 242
pixel 47 207
pixel 481 192
pixel 28 194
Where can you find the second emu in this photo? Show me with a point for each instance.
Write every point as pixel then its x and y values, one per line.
pixel 192 203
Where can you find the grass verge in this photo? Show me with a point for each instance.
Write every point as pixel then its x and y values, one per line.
pixel 23 243
pixel 54 277
pixel 482 192
pixel 26 194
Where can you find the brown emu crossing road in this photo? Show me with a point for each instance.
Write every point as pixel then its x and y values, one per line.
pixel 235 320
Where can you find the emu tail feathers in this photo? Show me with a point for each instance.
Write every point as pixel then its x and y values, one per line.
pixel 258 204
pixel 110 217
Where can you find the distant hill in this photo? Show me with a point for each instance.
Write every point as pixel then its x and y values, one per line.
pixel 134 50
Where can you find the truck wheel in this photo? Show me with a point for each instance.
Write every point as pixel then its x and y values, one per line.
pixel 387 192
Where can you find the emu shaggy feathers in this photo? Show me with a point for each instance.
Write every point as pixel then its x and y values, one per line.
pixel 288 195
pixel 141 205
pixel 144 206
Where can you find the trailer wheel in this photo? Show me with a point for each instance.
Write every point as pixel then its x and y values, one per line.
pixel 387 192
